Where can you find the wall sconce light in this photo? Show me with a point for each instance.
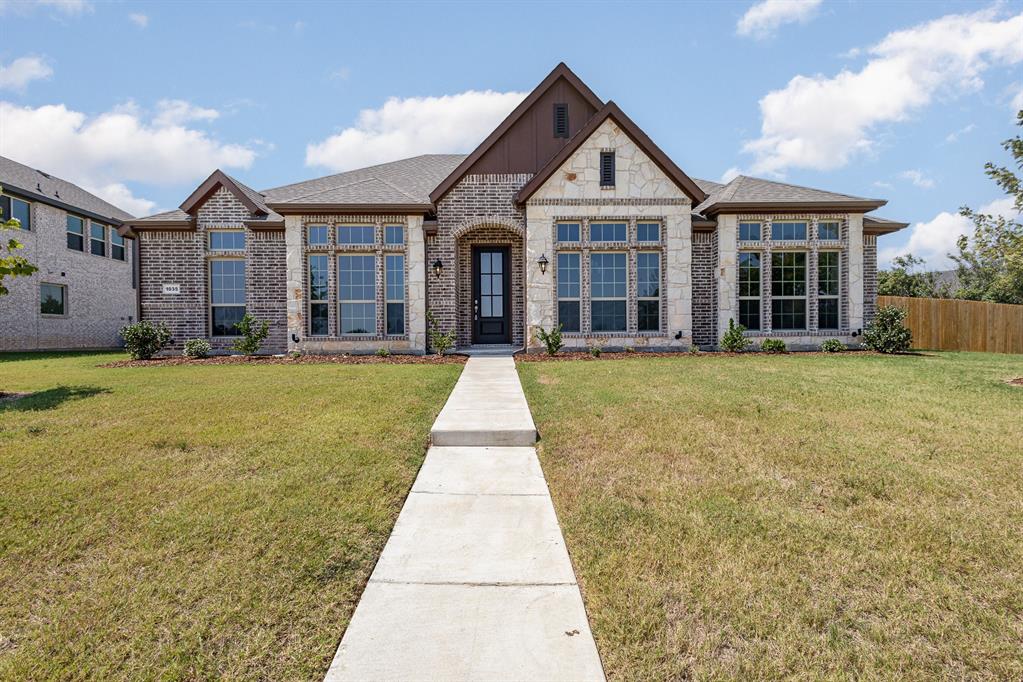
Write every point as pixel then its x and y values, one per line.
pixel 438 268
pixel 542 262
pixel 294 338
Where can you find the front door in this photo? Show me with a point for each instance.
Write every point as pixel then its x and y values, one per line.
pixel 491 280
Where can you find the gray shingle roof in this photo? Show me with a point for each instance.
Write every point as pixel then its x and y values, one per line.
pixel 176 214
pixel 746 190
pixel 45 187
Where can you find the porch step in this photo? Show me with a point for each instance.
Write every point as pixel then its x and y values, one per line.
pixel 486 407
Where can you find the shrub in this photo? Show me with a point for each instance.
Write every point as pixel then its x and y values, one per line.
pixel 383 352
pixel 252 335
pixel 694 349
pixel 733 341
pixel 440 341
pixel 550 339
pixel 197 348
pixel 144 339
pixel 773 346
pixel 295 355
pixel 595 351
pixel 832 346
pixel 630 349
pixel 887 333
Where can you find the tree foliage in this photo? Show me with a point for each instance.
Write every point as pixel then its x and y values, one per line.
pixel 907 278
pixel 12 264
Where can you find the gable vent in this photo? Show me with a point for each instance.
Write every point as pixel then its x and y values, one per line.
pixel 560 120
pixel 607 169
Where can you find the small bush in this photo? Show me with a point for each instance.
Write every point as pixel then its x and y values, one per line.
pixel 733 341
pixel 887 333
pixel 295 355
pixel 252 335
pixel 595 351
pixel 197 348
pixel 832 346
pixel 694 349
pixel 144 339
pixel 440 341
pixel 383 352
pixel 773 346
pixel 630 349
pixel 550 339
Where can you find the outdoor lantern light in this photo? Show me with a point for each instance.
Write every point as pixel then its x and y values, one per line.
pixel 438 267
pixel 542 262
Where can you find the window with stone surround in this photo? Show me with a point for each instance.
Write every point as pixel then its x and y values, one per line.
pixel 648 232
pixel 227 295
pixel 569 291
pixel 608 232
pixel 227 240
pixel 316 235
pixel 788 290
pixel 394 278
pixel 319 296
pixel 357 294
pixel 75 232
pixel 828 230
pixel 648 291
pixel 567 233
pixel 828 287
pixel 356 234
pixel 608 297
pixel 749 289
pixel 788 230
pixel 394 235
pixel 750 231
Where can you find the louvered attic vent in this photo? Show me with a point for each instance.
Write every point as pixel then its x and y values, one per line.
pixel 607 169
pixel 560 120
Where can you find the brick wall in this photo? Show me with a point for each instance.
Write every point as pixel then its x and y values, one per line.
pixel 705 288
pixel 497 236
pixel 266 294
pixel 869 277
pixel 174 258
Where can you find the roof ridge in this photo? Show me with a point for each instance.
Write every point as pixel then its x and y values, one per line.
pixel 795 186
pixel 397 189
pixel 352 170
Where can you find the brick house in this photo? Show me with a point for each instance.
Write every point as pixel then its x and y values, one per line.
pixel 567 214
pixel 85 288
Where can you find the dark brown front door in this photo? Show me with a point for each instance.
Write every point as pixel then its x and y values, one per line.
pixel 491 304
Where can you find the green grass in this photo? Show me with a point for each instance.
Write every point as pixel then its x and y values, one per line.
pixel 792 516
pixel 197 522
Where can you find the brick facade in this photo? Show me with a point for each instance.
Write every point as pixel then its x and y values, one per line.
pixel 869 277
pixel 705 289
pixel 490 236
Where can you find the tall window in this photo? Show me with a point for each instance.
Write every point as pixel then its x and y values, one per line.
pixel 75 233
pixel 355 234
pixel 788 290
pixel 394 274
pixel 116 245
pixel 97 239
pixel 648 232
pixel 608 232
pixel 227 295
pixel 568 232
pixel 788 230
pixel 52 299
pixel 648 291
pixel 749 290
pixel 607 292
pixel 394 235
pixel 749 232
pixel 569 288
pixel 827 289
pixel 227 240
pixel 316 235
pixel 607 169
pixel 357 294
pixel 12 207
pixel 828 230
pixel 319 306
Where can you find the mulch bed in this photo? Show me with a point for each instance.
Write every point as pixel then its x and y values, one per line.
pixel 301 360
pixel 618 355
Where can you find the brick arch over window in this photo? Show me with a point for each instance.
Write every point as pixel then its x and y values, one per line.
pixel 482 222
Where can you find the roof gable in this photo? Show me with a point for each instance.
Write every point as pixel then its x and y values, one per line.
pixel 250 198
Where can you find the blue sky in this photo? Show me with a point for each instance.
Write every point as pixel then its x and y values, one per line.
pixel 141 101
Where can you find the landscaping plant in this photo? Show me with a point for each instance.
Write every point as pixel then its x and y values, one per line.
pixel 733 341
pixel 253 333
pixel 550 339
pixel 773 346
pixel 197 348
pixel 144 339
pixel 439 341
pixel 832 346
pixel 887 333
pixel 383 352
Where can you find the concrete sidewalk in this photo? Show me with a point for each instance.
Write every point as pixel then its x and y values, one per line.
pixel 474 582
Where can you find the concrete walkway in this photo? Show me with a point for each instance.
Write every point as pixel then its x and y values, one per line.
pixel 474 582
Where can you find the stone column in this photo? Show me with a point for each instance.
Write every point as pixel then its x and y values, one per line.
pixel 727 271
pixel 855 271
pixel 539 287
pixel 678 245
pixel 295 268
pixel 416 284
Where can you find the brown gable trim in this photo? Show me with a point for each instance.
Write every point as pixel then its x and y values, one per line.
pixel 879 227
pixel 611 110
pixel 560 71
pixel 794 206
pixel 216 180
pixel 390 209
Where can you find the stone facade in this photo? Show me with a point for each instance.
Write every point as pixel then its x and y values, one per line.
pixel 100 291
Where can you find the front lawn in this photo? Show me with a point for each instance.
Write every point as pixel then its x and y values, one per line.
pixel 812 516
pixel 197 521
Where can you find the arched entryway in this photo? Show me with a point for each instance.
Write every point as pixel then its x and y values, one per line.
pixel 489 292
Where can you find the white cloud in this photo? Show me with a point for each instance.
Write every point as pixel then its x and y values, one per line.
pixel 764 18
pixel 22 71
pixel 917 178
pixel 414 125
pixel 139 19
pixel 955 135
pixel 69 7
pixel 175 112
pixel 119 195
pixel 1017 100
pixel 882 185
pixel 822 123
pixel 730 174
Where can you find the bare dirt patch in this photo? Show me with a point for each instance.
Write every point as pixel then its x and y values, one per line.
pixel 300 360
pixel 1018 381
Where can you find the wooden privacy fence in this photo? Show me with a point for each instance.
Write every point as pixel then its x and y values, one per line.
pixel 951 324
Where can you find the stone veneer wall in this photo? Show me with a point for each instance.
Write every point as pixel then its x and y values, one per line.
pixel 704 289
pixel 869 278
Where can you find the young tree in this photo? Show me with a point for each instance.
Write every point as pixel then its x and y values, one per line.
pixel 990 265
pixel 905 280
pixel 11 264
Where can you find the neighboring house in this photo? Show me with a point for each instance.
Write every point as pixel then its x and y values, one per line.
pixel 567 214
pixel 84 291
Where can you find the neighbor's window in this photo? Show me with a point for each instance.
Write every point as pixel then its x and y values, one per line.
pixel 227 296
pixel 568 232
pixel 560 120
pixel 786 230
pixel 828 230
pixel 357 294
pixel 394 278
pixel 607 169
pixel 75 233
pixel 648 291
pixel 394 235
pixel 355 234
pixel 319 308
pixel 227 240
pixel 97 239
pixel 316 235
pixel 52 299
pixel 12 207
pixel 648 232
pixel 607 232
pixel 788 290
pixel 569 290
pixel 749 232
pixel 607 292
pixel 827 289
pixel 116 245
pixel 749 290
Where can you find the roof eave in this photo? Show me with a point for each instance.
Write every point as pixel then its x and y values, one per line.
pixel 63 205
pixel 859 206
pixel 364 209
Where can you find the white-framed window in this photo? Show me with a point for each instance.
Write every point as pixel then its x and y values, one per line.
pixel 648 291
pixel 828 230
pixel 394 235
pixel 18 209
pixel 356 234
pixel 53 299
pixel 227 295
pixel 316 235
pixel 319 303
pixel 568 233
pixel 75 232
pixel 749 231
pixel 749 289
pixel 828 287
pixel 97 238
pixel 357 294
pixel 227 240
pixel 648 232
pixel 569 291
pixel 394 295
pixel 608 297
pixel 788 290
pixel 116 245
pixel 608 232
pixel 788 230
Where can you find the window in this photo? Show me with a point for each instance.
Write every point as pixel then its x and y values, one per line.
pixel 828 230
pixel 11 207
pixel 357 294
pixel 227 240
pixel 227 296
pixel 648 291
pixel 98 239
pixel 827 289
pixel 749 232
pixel 394 277
pixel 788 290
pixel 568 232
pixel 52 298
pixel 607 169
pixel 75 233
pixel 355 234
pixel 569 288
pixel 607 292
pixel 648 232
pixel 116 245
pixel 319 308
pixel 607 232
pixel 394 235
pixel 788 231
pixel 749 290
pixel 316 235
pixel 560 120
